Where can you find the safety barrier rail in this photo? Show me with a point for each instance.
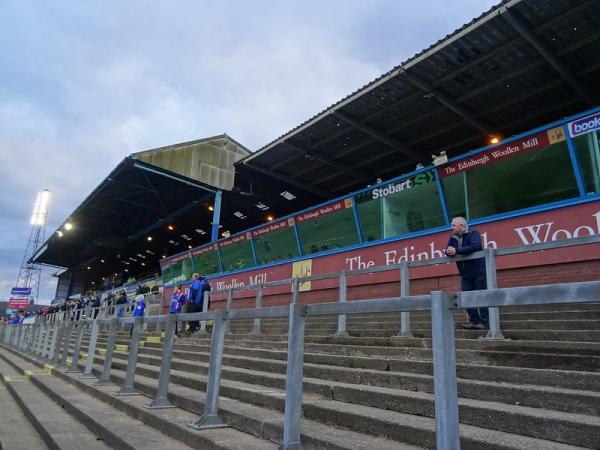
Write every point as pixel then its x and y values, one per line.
pixel 489 254
pixel 51 341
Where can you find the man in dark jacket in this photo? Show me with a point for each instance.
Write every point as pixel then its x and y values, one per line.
pixel 197 289
pixel 472 273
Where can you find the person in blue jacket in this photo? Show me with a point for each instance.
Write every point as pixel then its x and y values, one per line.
pixel 465 241
pixel 177 301
pixel 138 310
pixel 197 289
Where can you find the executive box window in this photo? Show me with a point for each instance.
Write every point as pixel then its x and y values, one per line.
pixel 167 275
pixel 182 270
pixel 276 245
pixel 529 178
pixel 236 256
pixel 588 153
pixel 328 232
pixel 401 207
pixel 206 263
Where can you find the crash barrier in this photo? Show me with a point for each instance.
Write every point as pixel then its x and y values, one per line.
pixel 490 255
pixel 51 341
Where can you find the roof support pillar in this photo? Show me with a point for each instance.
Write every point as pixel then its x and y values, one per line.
pixel 518 25
pixel 214 234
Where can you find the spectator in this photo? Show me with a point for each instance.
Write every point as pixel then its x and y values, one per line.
pixel 121 302
pixel 199 286
pixel 138 311
pixel 177 301
pixel 472 272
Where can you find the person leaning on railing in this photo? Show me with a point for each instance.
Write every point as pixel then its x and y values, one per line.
pixel 465 241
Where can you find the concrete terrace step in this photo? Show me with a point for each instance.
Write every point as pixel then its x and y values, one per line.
pixel 378 372
pixel 171 422
pixel 57 428
pixel 16 432
pixel 398 425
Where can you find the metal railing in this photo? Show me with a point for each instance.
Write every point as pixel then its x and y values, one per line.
pixel 51 341
pixel 489 254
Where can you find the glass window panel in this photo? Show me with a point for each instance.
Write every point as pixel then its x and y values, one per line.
pixel 276 245
pixel 588 153
pixel 528 179
pixel 167 275
pixel 206 263
pixel 236 256
pixel 182 270
pixel 328 231
pixel 401 207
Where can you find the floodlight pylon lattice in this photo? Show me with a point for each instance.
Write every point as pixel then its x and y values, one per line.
pixel 30 273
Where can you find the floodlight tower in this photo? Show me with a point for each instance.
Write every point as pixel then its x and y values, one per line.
pixel 30 273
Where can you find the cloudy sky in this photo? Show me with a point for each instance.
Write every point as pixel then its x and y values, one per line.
pixel 85 83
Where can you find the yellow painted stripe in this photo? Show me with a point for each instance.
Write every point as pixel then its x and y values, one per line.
pixel 29 373
pixel 69 361
pixel 153 339
pixel 102 351
pixel 121 347
pixel 142 343
pixel 48 368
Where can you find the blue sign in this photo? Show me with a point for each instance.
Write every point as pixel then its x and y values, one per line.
pixel 20 291
pixel 584 125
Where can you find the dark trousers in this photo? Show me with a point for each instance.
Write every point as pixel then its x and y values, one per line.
pixel 477 283
pixel 192 308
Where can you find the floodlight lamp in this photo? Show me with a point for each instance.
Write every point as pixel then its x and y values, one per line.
pixel 60 233
pixel 494 140
pixel 68 226
pixel 40 208
pixel 149 238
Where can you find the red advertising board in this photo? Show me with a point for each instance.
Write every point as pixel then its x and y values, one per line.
pixel 324 210
pixel 18 303
pixel 504 151
pixel 564 223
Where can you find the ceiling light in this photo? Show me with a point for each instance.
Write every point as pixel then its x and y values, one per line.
pixel 189 246
pixel 102 261
pixel 210 208
pixel 68 226
pixel 149 238
pixel 60 233
pixel 287 195
pixel 170 227
pixel 143 264
pixel 163 256
pixel 494 140
pixel 270 218
pixel 88 268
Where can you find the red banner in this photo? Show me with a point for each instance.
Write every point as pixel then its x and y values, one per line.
pixel 18 303
pixel 324 210
pixel 203 250
pixel 504 151
pixel 273 227
pixel 235 240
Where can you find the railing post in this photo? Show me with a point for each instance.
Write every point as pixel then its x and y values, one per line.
pixel 343 296
pixel 295 289
pixel 110 347
pixel 66 345
pixel 444 371
pixel 205 301
pixel 210 418
pixel 91 351
pixel 128 385
pixel 494 312
pixel 228 308
pixel 405 331
pixel 293 380
pixel 258 305
pixel 161 400
pixel 57 341
pixel 77 350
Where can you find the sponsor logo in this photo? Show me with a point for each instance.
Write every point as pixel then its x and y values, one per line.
pixel 585 125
